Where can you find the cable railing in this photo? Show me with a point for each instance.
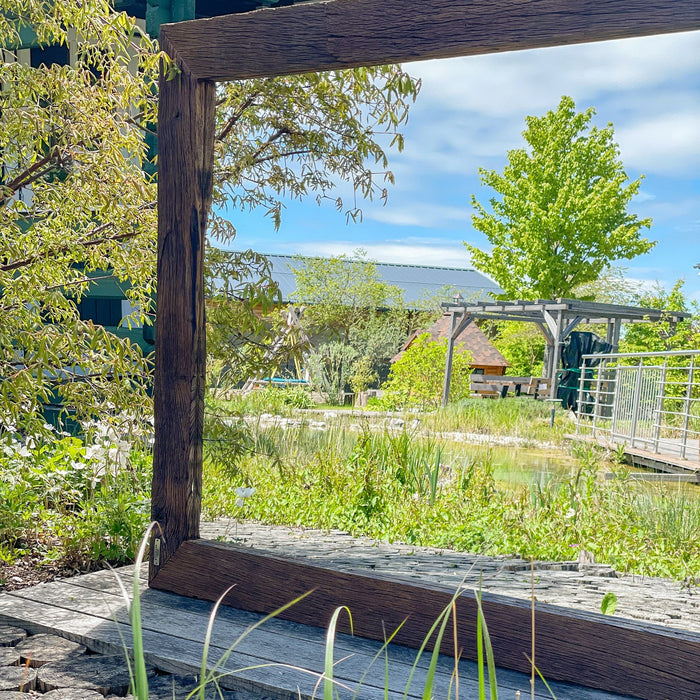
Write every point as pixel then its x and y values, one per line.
pixel 649 401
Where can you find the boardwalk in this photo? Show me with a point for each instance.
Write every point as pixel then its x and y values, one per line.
pixel 279 661
pixel 662 457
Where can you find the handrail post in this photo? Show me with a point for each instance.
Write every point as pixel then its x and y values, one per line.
pixel 601 369
pixel 579 405
pixel 635 405
pixel 686 417
pixel 660 405
pixel 616 399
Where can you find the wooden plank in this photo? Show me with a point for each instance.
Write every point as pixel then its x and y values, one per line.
pixel 348 33
pixel 186 157
pixel 169 619
pixel 168 652
pixel 650 661
pixel 167 616
pixel 661 461
pixel 651 476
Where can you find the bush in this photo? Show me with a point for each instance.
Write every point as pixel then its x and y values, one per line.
pixel 72 503
pixel 416 379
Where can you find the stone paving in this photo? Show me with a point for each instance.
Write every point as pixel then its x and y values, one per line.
pixel 575 584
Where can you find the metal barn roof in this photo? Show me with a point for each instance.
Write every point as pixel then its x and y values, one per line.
pixel 418 282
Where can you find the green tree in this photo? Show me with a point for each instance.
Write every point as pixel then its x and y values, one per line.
pixel 295 137
pixel 663 335
pixel 559 217
pixel 522 345
pixel 348 303
pixel 342 292
pixel 299 136
pixel 416 378
pixel 75 203
pixel 77 200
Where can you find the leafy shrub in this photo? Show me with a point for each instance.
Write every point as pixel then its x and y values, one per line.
pixel 73 502
pixel 416 378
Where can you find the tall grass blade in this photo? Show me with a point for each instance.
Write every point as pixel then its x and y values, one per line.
pixel 440 621
pixel 383 650
pixel 330 642
pixel 212 675
pixel 480 658
pixel 490 662
pixel 430 677
pixel 546 685
pixel 137 672
pixel 207 640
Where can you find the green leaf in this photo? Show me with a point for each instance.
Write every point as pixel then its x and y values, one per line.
pixel 609 603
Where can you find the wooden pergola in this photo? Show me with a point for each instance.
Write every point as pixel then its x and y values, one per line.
pixel 556 320
pixel 584 648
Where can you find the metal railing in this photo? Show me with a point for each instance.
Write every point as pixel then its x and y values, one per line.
pixel 649 401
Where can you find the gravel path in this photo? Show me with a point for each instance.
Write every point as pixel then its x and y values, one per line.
pixel 570 584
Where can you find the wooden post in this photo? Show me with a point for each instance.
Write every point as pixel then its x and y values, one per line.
pixel 448 359
pixel 186 156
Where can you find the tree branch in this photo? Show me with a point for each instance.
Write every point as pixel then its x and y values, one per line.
pixel 91 242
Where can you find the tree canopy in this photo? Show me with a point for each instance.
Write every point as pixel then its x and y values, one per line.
pixel 663 335
pixel 358 318
pixel 78 201
pixel 559 216
pixel 75 202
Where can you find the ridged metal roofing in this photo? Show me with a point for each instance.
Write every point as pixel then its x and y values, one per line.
pixel 418 282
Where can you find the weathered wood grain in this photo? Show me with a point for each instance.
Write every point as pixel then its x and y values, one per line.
pixel 295 635
pixel 585 648
pixel 9 656
pixel 261 647
pixel 9 636
pixel 186 157
pixel 41 649
pixel 348 33
pixel 108 675
pixel 176 626
pixel 72 694
pixel 171 652
pixel 17 678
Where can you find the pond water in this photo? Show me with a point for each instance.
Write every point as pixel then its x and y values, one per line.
pixel 520 465
pixel 524 465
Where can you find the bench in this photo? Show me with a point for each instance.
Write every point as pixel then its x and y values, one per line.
pixel 498 386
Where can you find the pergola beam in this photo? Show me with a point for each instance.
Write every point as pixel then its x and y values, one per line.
pixel 350 33
pixel 556 319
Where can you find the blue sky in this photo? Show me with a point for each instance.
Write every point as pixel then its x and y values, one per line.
pixel 471 111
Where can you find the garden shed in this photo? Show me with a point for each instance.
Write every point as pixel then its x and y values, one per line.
pixel 582 648
pixel 486 359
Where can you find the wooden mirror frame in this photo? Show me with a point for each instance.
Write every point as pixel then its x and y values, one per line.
pixel 589 649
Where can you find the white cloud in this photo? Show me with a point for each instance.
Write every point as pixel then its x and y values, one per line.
pixel 644 196
pixel 471 110
pixel 441 254
pixel 668 144
pixel 418 214
pixel 514 82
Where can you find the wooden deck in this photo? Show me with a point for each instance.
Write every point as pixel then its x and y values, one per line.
pixel 667 459
pixel 280 660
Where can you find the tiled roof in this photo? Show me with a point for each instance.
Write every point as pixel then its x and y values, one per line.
pixel 472 337
pixel 417 281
